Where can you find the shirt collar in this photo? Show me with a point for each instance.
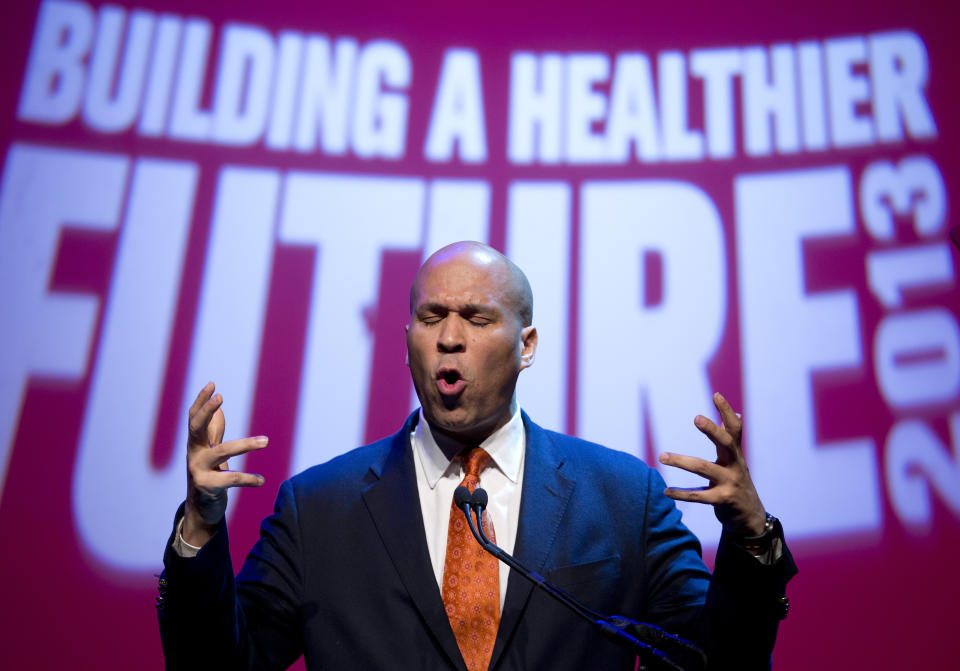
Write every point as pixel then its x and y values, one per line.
pixel 505 447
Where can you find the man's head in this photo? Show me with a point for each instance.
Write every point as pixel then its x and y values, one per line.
pixel 469 336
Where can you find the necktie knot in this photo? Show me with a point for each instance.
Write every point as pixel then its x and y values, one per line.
pixel 474 461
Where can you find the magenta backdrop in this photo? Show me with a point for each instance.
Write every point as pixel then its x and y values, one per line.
pixel 776 230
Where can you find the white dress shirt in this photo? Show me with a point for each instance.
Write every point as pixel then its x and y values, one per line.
pixel 438 476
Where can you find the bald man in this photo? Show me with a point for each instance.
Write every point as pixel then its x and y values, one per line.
pixel 360 565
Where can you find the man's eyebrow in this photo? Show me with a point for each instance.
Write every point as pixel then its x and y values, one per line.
pixel 466 308
pixel 431 307
pixel 476 308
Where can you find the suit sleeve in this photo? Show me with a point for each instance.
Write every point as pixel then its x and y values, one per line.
pixel 732 616
pixel 210 620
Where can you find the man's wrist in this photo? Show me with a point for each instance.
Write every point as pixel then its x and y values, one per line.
pixel 194 530
pixel 760 544
pixel 182 547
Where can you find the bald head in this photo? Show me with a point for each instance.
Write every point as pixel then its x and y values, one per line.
pixel 469 336
pixel 513 282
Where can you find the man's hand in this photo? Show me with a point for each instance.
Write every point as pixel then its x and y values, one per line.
pixel 208 477
pixel 730 491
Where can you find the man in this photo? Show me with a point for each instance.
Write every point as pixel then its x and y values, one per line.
pixel 363 563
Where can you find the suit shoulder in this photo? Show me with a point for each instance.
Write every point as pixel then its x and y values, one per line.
pixel 344 471
pixel 590 457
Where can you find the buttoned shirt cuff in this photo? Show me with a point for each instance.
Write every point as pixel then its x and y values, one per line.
pixel 182 547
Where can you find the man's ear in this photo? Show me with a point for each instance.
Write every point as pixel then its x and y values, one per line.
pixel 528 340
pixel 406 345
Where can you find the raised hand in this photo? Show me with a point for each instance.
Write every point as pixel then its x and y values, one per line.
pixel 208 476
pixel 730 490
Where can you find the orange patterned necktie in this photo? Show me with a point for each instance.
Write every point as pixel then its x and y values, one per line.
pixel 471 577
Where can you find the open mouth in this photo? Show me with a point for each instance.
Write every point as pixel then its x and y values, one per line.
pixel 449 381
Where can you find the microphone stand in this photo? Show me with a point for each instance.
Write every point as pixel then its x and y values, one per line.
pixel 613 627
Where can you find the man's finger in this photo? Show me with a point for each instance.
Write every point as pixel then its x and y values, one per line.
pixel 694 494
pixel 228 479
pixel 201 418
pixel 719 436
pixel 731 420
pixel 702 467
pixel 201 398
pixel 233 448
pixel 216 427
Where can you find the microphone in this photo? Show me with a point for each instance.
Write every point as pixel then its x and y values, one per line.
pixel 644 637
pixel 479 498
pixel 461 497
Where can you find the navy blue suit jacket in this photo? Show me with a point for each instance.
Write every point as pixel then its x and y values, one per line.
pixel 342 573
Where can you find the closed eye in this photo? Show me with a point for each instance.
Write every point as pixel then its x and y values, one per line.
pixel 477 316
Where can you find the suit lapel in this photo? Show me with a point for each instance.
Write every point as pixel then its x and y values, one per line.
pixel 546 492
pixel 394 505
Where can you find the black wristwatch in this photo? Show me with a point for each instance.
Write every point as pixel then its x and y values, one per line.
pixel 760 544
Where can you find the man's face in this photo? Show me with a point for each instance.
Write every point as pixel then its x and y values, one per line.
pixel 466 345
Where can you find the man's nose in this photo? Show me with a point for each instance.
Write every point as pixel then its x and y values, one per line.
pixel 450 339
